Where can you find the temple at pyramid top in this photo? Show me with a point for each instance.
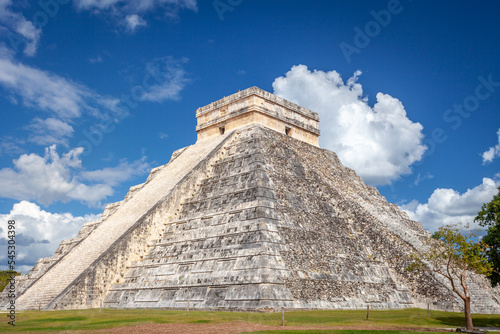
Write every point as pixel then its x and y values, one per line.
pixel 256 106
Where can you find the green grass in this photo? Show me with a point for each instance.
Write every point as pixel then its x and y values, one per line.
pixel 82 320
pixel 342 332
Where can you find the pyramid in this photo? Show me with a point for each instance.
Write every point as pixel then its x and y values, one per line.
pixel 253 216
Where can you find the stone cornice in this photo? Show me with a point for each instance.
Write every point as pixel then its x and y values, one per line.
pixel 261 110
pixel 261 93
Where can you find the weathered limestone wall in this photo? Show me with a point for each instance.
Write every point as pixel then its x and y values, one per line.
pixel 275 223
pixel 92 248
pixel 261 222
pixel 348 245
pixel 222 250
pixel 93 287
pixel 43 264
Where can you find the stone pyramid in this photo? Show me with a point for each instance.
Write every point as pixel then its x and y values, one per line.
pixel 254 216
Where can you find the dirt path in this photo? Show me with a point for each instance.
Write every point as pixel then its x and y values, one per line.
pixel 235 327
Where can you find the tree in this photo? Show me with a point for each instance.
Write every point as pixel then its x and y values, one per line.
pixel 454 256
pixel 489 216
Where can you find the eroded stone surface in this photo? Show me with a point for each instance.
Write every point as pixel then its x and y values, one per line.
pixel 250 220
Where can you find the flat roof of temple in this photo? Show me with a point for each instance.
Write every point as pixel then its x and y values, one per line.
pixel 263 94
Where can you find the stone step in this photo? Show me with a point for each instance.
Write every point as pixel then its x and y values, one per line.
pixel 98 242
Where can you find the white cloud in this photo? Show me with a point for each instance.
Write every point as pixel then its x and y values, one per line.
pixel 38 232
pixel 49 92
pixel 420 178
pixel 115 175
pixel 130 12
pixel 49 131
pixel 448 206
pixel 18 27
pixel 136 5
pixel 380 143
pixel 10 146
pixel 58 178
pixel 133 22
pixel 48 179
pixel 65 100
pixel 493 152
pixel 168 79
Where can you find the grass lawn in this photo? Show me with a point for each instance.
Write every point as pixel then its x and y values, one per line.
pixel 342 332
pixel 72 320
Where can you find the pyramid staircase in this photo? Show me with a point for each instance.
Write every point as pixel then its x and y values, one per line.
pixel 68 269
pixel 223 249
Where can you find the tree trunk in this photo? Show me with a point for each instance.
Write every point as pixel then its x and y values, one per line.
pixel 468 315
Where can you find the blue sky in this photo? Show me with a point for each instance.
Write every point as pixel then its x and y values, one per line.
pixel 95 93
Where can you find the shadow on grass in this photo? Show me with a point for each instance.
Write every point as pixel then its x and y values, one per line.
pixel 483 320
pixel 114 322
pixel 347 331
pixel 49 320
pixel 202 321
pixel 72 323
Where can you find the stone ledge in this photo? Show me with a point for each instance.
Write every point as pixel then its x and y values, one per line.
pixel 261 93
pixel 263 111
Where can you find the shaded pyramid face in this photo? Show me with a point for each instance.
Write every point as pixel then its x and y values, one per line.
pixel 279 223
pixel 248 220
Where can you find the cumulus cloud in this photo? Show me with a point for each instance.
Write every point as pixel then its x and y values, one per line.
pixel 59 178
pixel 168 79
pixel 448 206
pixel 43 90
pixel 493 152
pixel 49 131
pixel 19 28
pixel 48 178
pixel 380 143
pixel 38 232
pixel 130 13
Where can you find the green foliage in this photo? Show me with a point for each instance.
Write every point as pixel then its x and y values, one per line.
pixel 460 253
pixel 5 277
pixel 489 216
pixel 454 255
pixel 490 212
pixel 492 240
